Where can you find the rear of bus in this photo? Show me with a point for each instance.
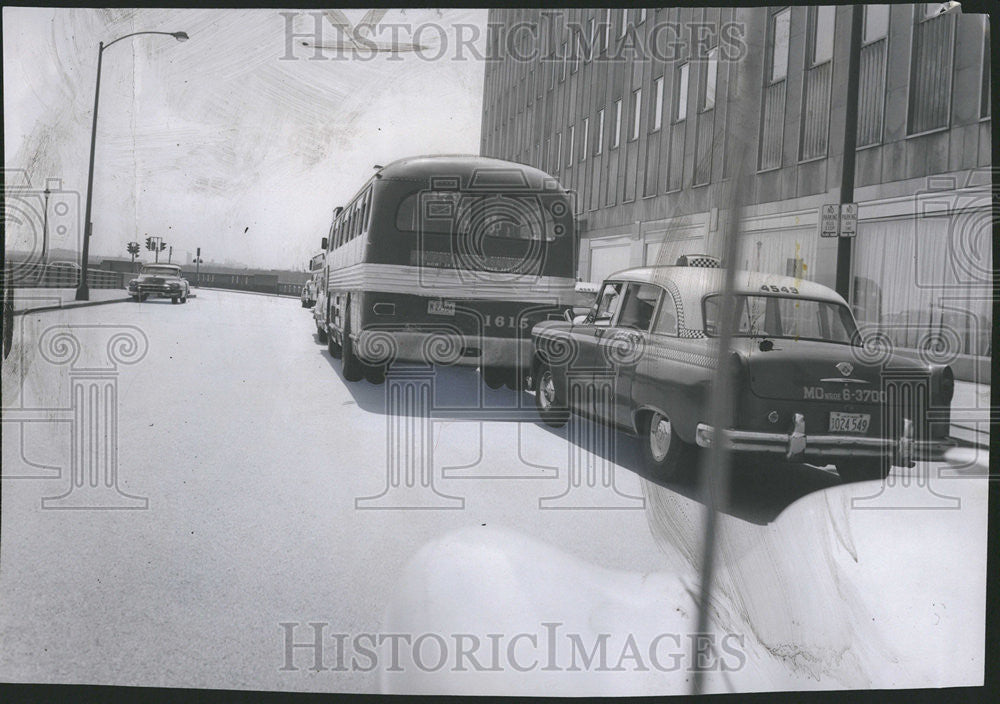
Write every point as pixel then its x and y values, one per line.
pixel 467 255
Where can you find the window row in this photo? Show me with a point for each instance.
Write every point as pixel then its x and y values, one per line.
pixel 352 220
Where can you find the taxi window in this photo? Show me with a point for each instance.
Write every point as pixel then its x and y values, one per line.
pixel 639 306
pixel 607 304
pixel 666 319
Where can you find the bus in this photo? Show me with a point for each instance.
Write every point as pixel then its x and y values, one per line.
pixel 309 291
pixel 447 260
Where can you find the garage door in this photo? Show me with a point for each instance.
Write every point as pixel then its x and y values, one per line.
pixel 605 260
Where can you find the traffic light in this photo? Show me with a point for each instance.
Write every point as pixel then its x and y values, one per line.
pixel 163 245
pixel 149 243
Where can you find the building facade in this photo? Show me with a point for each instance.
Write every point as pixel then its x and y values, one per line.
pixel 648 114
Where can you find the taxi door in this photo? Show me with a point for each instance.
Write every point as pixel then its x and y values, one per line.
pixel 588 369
pixel 625 345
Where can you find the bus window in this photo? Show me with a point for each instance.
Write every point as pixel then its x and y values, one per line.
pixel 494 215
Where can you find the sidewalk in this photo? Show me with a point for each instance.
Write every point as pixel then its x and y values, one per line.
pixel 36 300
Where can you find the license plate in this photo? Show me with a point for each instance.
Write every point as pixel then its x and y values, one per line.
pixel 441 307
pixel 849 422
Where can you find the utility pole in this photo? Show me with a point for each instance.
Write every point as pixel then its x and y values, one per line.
pixel 197 268
pixel 170 254
pixel 844 244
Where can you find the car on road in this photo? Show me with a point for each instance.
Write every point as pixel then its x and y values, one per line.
pixel 162 280
pixel 61 274
pixel 805 386
pixel 308 295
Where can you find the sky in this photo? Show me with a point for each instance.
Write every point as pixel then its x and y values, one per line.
pixel 240 140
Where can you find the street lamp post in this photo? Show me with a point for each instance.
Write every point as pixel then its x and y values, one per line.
pixel 45 237
pixel 82 290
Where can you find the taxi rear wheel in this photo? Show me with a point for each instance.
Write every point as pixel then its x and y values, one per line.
pixel 550 399
pixel 663 450
pixel 860 469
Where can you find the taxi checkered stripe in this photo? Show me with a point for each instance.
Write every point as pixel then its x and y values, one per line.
pixel 675 292
pixel 708 262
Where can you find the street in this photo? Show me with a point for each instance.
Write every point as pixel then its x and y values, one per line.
pixel 270 502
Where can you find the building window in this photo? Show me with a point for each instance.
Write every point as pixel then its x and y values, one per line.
pixel 773 112
pixel 572 144
pixel 565 61
pixel 642 16
pixel 636 111
pixel 984 97
pixel 617 134
pixel 546 164
pixel 681 92
pixel 607 29
pixel 871 80
pixel 876 23
pixel 779 45
pixel 624 22
pixel 592 33
pixel 585 141
pixel 818 72
pixel 559 161
pixel 930 69
pixel 709 76
pixel 600 131
pixel 657 104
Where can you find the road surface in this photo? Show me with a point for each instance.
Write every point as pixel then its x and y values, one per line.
pixel 254 488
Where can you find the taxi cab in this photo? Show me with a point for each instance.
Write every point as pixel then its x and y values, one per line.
pixel 805 387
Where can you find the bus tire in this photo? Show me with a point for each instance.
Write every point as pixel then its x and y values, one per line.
pixel 321 334
pixel 515 380
pixel 333 347
pixel 352 368
pixel 375 373
pixel 550 398
pixel 493 376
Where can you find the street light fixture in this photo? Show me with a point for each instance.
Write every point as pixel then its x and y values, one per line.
pixel 82 290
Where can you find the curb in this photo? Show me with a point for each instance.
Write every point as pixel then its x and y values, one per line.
pixel 75 304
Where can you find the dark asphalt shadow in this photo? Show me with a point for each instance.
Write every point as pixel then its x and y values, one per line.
pixel 760 489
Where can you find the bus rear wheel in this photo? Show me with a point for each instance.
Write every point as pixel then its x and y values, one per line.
pixel 333 347
pixel 375 373
pixel 353 368
pixel 494 377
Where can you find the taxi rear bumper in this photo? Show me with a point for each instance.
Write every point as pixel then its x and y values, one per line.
pixel 796 445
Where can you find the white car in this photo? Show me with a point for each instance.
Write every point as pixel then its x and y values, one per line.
pixel 163 280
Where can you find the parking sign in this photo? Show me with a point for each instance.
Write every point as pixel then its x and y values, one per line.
pixel 848 219
pixel 829 219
